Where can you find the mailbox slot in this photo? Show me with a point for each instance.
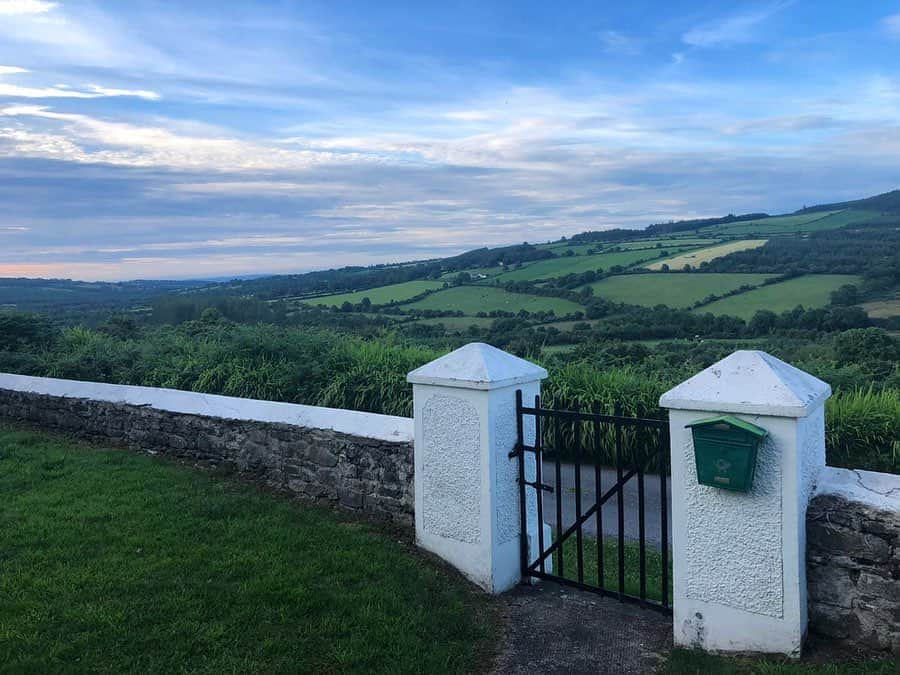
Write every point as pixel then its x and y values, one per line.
pixel 725 451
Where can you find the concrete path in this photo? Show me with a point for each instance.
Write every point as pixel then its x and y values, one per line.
pixel 610 515
pixel 553 629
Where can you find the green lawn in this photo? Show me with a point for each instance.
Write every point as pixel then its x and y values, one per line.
pixel 382 295
pixel 557 267
pixel 473 299
pixel 811 291
pixel 674 290
pixel 113 562
pixel 688 662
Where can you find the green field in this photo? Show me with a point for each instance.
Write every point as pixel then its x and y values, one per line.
pixel 810 291
pixel 383 295
pixel 653 243
pixel 473 299
pixel 672 289
pixel 696 257
pixel 557 267
pixel 455 324
pixel 117 562
pixel 807 222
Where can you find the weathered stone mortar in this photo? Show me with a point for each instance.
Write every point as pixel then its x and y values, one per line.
pixel 365 474
pixel 853 560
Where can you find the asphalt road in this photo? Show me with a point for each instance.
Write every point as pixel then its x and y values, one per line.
pixel 610 514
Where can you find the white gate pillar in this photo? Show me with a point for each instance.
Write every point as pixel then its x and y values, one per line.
pixel 467 504
pixel 740 558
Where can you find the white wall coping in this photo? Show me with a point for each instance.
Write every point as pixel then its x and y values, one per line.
pixel 878 490
pixel 352 422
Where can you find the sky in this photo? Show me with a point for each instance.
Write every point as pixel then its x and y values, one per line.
pixel 202 139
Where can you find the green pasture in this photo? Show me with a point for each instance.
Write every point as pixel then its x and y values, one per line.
pixel 810 291
pixel 666 243
pixel 807 222
pixel 672 289
pixel 382 295
pixel 474 299
pixel 486 271
pixel 457 323
pixel 557 267
pixel 697 257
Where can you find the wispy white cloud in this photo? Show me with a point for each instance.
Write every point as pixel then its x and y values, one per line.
pixel 891 25
pixel 733 29
pixel 66 91
pixel 11 70
pixel 616 42
pixel 23 7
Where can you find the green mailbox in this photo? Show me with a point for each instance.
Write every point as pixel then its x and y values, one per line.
pixel 725 450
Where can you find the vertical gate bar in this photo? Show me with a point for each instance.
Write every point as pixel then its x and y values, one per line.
pixel 520 446
pixel 539 478
pixel 620 502
pixel 598 491
pixel 557 443
pixel 642 544
pixel 664 513
pixel 579 534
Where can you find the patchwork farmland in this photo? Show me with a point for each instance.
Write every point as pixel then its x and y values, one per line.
pixel 696 258
pixel 672 289
pixel 472 300
pixel 809 291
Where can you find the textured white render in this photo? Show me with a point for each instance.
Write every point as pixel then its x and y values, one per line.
pixel 451 463
pixel 721 527
pixel 477 366
pixel 751 382
pixel 740 558
pixel 353 422
pixel 467 494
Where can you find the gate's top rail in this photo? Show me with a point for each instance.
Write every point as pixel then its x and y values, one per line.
pixel 577 415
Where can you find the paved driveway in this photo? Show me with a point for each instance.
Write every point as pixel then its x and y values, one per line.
pixel 610 508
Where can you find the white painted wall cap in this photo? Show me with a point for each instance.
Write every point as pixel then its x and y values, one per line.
pixel 878 490
pixel 477 366
pixel 750 382
pixel 353 422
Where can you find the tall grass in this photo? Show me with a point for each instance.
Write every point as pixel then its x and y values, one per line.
pixel 863 429
pixel 320 367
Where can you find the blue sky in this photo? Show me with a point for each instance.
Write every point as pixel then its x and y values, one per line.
pixel 171 140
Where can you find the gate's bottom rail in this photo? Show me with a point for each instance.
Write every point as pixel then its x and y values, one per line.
pixel 608 563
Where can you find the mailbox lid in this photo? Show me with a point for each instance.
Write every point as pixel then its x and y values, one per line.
pixel 723 424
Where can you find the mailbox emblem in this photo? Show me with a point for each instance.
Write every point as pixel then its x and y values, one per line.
pixel 725 450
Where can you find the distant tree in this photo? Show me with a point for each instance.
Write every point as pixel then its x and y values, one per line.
pixel 847 294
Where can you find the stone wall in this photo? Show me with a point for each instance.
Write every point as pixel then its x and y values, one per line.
pixel 853 559
pixel 369 472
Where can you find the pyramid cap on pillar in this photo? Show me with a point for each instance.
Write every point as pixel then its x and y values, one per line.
pixel 477 366
pixel 750 382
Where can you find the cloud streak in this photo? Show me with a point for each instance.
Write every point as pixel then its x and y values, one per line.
pixel 733 29
pixel 247 141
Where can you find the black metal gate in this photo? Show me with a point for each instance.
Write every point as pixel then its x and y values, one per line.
pixel 611 461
